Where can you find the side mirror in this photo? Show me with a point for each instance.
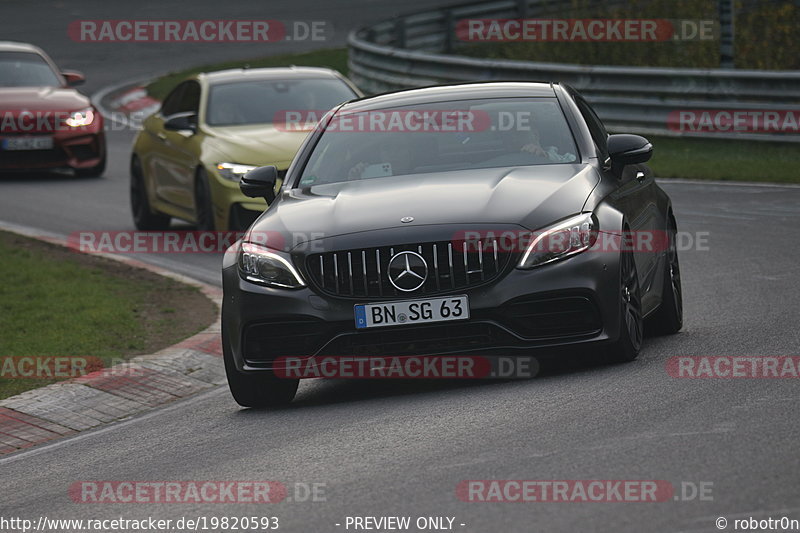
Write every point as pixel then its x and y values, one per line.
pixel 626 149
pixel 182 122
pixel 73 78
pixel 260 183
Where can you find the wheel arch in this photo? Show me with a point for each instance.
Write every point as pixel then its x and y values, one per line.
pixel 221 213
pixel 147 182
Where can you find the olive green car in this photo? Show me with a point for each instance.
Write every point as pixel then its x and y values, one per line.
pixel 213 128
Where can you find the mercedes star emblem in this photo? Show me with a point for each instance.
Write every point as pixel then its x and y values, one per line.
pixel 407 271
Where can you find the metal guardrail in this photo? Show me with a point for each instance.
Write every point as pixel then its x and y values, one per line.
pixel 408 52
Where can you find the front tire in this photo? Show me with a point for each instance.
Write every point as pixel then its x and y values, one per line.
pixel 204 210
pixel 92 172
pixel 631 333
pixel 257 389
pixel 143 218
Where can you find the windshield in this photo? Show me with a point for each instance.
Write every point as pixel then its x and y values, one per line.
pixel 261 101
pixel 26 69
pixel 441 137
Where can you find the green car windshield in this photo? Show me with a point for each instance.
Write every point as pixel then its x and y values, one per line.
pixel 269 101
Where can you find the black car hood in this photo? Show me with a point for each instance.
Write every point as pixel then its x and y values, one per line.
pixel 531 197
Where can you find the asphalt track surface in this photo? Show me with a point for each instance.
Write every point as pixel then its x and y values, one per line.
pixel 402 447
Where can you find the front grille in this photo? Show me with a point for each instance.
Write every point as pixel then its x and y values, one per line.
pixel 419 340
pixel 32 158
pixel 452 266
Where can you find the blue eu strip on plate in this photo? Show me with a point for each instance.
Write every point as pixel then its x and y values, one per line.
pixel 361 317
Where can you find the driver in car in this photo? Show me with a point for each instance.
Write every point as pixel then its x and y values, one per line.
pixel 528 140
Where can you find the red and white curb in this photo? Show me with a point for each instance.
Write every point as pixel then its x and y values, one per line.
pixel 134 99
pixel 127 103
pixel 141 384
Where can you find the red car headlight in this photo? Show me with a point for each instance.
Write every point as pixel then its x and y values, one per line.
pixel 80 119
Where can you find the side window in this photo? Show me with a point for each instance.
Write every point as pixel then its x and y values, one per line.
pixel 172 102
pixel 190 99
pixel 596 128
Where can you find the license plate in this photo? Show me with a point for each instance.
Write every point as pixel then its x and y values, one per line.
pixel 405 312
pixel 28 143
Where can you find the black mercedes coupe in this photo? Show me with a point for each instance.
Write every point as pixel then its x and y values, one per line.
pixel 491 218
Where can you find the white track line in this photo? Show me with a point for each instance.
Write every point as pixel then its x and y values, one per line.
pixel 682 181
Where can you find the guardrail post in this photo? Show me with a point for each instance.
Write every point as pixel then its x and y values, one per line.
pixel 726 26
pixel 449 31
pixel 400 32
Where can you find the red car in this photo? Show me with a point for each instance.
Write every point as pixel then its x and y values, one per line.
pixel 44 122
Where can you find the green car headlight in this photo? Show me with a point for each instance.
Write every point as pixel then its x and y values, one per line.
pixel 233 171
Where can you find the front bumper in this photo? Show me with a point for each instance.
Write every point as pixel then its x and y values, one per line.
pixel 567 304
pixel 78 149
pixel 232 209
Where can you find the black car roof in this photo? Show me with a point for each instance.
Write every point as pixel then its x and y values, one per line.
pixel 443 93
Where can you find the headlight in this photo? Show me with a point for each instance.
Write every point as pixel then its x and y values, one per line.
pixel 260 265
pixel 80 118
pixel 561 240
pixel 233 171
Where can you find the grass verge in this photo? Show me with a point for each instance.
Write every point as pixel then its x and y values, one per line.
pixel 55 302
pixel 719 159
